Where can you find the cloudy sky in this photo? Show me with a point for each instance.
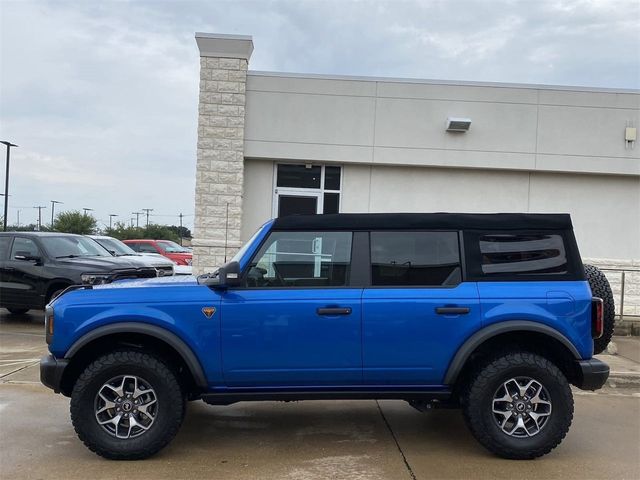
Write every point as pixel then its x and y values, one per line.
pixel 102 96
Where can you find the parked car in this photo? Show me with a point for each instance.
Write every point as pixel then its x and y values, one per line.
pixel 492 313
pixel 167 248
pixel 163 265
pixel 37 266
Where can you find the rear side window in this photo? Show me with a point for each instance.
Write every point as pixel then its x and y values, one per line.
pixel 415 258
pixel 522 254
pixel 5 241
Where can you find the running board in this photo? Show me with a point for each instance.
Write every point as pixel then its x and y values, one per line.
pixel 227 398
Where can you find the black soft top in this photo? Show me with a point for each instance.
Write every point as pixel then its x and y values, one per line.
pixel 423 221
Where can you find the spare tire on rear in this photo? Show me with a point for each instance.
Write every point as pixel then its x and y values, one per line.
pixel 600 288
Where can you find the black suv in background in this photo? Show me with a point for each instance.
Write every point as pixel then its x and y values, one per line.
pixel 36 266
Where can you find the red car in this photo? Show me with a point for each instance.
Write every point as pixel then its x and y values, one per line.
pixel 167 248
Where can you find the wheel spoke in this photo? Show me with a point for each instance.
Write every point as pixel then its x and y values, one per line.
pixel 126 406
pixel 521 407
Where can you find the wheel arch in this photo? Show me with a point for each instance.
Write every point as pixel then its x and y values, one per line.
pixel 509 333
pixel 137 335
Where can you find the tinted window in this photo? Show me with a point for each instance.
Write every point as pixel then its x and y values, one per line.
pixel 145 248
pixel 302 259
pixel 331 202
pixel 5 241
pixel 299 176
pixel 522 254
pixel 24 246
pixel 332 178
pixel 415 258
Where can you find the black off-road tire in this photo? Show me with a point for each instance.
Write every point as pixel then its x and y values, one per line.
pixel 170 411
pixel 477 402
pixel 600 288
pixel 18 311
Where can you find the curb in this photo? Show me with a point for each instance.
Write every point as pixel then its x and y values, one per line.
pixel 624 380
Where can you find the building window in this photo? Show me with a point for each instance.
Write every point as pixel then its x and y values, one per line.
pixel 306 189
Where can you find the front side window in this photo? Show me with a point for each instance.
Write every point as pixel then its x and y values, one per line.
pixel 415 258
pixel 302 259
pixel 172 247
pixel 521 253
pixel 146 248
pixel 24 247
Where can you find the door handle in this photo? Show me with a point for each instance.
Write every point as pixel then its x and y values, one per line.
pixel 334 311
pixel 452 310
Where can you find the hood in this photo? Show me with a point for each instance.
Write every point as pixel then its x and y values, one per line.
pixel 151 260
pixel 151 282
pixel 102 264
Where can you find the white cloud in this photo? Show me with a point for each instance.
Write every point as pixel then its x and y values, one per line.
pixel 102 96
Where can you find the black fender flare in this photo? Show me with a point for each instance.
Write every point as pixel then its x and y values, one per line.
pixel 190 359
pixel 481 336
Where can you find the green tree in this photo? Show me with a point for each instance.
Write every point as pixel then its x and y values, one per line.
pixel 75 221
pixel 122 231
pixel 183 232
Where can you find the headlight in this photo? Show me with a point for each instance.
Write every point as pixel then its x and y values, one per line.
pixel 95 278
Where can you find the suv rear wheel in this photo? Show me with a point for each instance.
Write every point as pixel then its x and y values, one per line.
pixel 518 406
pixel 127 405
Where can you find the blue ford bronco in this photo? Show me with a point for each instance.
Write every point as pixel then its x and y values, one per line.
pixel 492 313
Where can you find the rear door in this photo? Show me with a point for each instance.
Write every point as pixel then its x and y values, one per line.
pixel 296 321
pixel 418 310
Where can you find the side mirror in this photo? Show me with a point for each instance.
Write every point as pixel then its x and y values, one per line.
pixel 27 257
pixel 226 276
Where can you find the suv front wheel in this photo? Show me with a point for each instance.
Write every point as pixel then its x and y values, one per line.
pixel 127 405
pixel 518 406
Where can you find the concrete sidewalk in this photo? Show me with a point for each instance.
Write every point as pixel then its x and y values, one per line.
pixel 624 363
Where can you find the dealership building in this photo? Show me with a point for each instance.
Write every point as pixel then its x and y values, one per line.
pixel 272 144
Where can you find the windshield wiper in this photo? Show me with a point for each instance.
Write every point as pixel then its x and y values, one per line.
pixel 69 256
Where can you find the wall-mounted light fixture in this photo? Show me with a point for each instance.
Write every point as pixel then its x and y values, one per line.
pixel 630 135
pixel 458 124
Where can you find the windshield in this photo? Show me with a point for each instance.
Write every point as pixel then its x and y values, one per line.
pixel 73 246
pixel 116 246
pixel 171 247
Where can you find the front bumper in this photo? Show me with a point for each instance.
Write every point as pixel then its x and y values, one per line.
pixel 592 374
pixel 51 370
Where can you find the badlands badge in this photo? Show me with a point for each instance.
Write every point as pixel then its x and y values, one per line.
pixel 209 311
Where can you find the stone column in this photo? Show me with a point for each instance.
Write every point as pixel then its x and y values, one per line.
pixel 220 157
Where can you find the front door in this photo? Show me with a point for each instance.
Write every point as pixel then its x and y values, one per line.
pixel 296 321
pixel 418 311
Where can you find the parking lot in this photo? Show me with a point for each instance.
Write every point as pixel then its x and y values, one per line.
pixel 305 440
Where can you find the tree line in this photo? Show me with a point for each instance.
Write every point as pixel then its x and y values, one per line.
pixel 75 221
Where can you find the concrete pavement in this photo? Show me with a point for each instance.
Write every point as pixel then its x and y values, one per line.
pixel 304 440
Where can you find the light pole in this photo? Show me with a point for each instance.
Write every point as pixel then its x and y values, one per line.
pixel 87 210
pixel 137 214
pixel 147 210
pixel 6 184
pixel 180 228
pixel 40 216
pixel 111 215
pixel 53 207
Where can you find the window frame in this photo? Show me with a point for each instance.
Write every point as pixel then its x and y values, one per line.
pixel 300 191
